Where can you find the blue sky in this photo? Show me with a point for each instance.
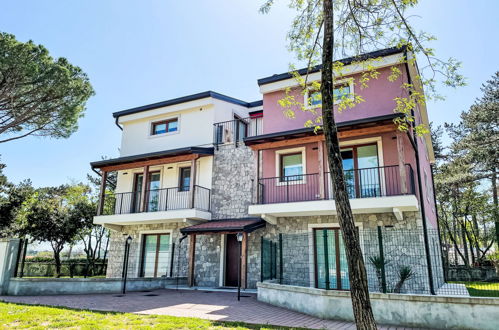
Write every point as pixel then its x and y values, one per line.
pixel 140 52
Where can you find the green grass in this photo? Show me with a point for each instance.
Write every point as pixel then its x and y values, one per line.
pixel 482 289
pixel 21 316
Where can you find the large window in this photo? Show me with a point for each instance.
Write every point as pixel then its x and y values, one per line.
pixel 184 178
pixel 291 166
pixel 164 126
pixel 340 92
pixel 155 255
pixel 331 268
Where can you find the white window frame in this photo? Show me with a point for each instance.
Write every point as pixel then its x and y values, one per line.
pixel 348 81
pixel 151 122
pixel 279 153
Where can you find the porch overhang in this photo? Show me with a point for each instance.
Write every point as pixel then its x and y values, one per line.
pixel 225 226
pixel 392 204
pixel 379 124
pixel 152 158
pixel 190 216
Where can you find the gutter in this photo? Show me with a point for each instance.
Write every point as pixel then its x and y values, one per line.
pixel 414 144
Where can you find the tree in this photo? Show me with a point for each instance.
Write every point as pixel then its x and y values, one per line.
pixel 476 138
pixel 54 214
pixel 356 26
pixel 39 95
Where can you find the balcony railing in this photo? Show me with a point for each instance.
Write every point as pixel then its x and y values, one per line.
pixel 234 131
pixel 361 183
pixel 165 199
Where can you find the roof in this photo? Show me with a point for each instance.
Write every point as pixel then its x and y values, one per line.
pixel 153 155
pixel 246 225
pixel 345 61
pixel 307 131
pixel 187 98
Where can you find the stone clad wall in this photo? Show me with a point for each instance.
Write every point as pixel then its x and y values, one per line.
pixel 117 249
pixel 232 184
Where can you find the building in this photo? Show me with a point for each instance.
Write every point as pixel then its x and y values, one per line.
pixel 196 170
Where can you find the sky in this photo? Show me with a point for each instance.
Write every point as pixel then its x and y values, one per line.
pixel 141 52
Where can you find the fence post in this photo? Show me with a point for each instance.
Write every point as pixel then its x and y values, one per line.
pixel 171 259
pixel 281 266
pixel 261 259
pixel 382 257
pixel 326 258
pixel 271 260
pixel 287 190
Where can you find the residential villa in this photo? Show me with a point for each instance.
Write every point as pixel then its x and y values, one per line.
pixel 196 171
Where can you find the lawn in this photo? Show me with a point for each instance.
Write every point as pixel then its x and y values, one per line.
pixel 482 289
pixel 17 316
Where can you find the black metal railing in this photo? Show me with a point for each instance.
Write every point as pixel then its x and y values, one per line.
pixel 234 131
pixel 361 183
pixel 165 199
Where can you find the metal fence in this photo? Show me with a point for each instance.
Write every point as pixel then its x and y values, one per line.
pixel 234 131
pixel 395 262
pixel 361 183
pixel 165 199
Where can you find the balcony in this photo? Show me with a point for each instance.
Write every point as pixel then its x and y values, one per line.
pixel 235 131
pixel 371 190
pixel 177 203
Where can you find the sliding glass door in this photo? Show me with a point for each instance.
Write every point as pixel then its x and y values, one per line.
pixel 155 255
pixel 331 266
pixel 152 192
pixel 362 173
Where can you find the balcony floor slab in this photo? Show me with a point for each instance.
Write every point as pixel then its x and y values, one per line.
pixel 185 215
pixel 327 207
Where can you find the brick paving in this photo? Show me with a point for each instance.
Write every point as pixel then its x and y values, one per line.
pixel 212 305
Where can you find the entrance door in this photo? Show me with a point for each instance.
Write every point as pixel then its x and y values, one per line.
pixel 155 255
pixel 231 260
pixel 330 260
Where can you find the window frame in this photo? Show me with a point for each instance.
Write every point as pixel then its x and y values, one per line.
pixel 181 169
pixel 142 242
pixel 154 123
pixel 278 165
pixel 342 82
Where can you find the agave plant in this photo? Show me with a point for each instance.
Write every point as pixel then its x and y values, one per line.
pixel 405 273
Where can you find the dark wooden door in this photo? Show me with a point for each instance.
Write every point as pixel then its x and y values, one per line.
pixel 231 260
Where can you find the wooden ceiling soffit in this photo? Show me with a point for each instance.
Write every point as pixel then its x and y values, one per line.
pixel 151 162
pixel 320 137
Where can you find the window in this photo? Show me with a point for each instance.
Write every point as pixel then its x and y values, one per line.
pixel 340 91
pixel 331 268
pixel 361 169
pixel 155 255
pixel 185 179
pixel 291 166
pixel 164 126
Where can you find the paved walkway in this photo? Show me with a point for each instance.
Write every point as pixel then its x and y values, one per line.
pixel 219 306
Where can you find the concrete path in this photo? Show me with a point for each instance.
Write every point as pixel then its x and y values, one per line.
pixel 212 305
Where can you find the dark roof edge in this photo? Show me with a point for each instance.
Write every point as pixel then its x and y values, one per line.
pixel 345 61
pixel 185 99
pixel 311 129
pixel 157 154
pixel 259 223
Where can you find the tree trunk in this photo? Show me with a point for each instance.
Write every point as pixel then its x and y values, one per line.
pixel 465 245
pixel 359 290
pixel 57 260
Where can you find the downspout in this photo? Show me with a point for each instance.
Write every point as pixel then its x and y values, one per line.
pixel 438 219
pixel 420 188
pixel 117 124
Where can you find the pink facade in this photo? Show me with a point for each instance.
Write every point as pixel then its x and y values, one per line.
pixel 379 100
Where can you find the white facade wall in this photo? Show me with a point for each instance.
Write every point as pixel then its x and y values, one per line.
pixel 169 174
pixel 195 126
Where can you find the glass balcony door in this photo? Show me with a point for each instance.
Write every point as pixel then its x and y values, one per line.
pixel 361 167
pixel 152 191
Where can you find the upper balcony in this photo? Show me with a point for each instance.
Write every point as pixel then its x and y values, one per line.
pixel 169 186
pixel 236 130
